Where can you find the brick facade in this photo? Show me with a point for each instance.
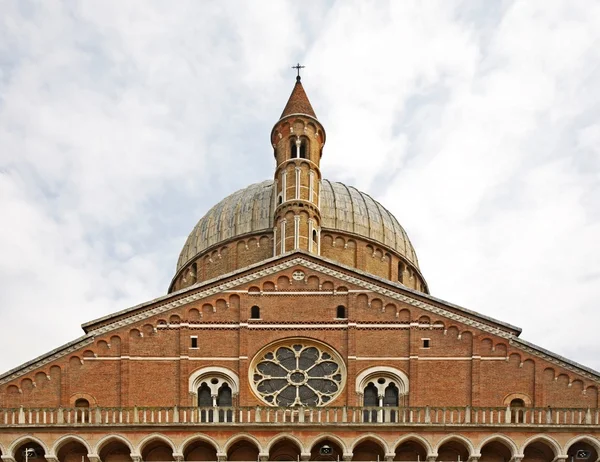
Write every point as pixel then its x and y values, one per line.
pixel 462 386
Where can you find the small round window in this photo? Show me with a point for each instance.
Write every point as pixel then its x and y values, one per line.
pixel 297 372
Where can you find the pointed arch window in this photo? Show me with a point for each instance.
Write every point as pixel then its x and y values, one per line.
pixel 370 399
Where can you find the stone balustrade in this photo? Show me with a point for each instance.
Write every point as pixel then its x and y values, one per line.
pixel 403 416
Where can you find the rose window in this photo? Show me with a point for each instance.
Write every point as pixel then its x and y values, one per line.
pixel 298 374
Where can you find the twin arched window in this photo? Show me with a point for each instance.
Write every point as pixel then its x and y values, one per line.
pixel 298 148
pixel 208 401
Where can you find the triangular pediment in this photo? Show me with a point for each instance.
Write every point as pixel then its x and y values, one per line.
pixel 248 281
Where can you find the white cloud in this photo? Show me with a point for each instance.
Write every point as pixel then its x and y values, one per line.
pixel 122 123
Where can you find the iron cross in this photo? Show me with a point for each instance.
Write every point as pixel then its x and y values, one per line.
pixel 298 67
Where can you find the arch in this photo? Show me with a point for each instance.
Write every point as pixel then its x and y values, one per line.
pixel 416 438
pixel 278 448
pixel 328 436
pixel 284 436
pixel 513 396
pixel 25 439
pixel 152 438
pixel 411 448
pixel 59 443
pixel 363 378
pixel 458 439
pixel 589 439
pixel 371 437
pixel 102 442
pixel 230 377
pixel 242 437
pixel 198 437
pixel 245 443
pixel 255 312
pixel 514 450
pixel 551 442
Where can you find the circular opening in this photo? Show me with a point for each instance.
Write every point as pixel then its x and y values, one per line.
pixel 381 381
pixel 214 381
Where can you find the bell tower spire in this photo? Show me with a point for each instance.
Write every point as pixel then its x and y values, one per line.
pixel 298 139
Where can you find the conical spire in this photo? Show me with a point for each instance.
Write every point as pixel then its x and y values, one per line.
pixel 298 102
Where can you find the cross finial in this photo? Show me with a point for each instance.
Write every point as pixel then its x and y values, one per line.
pixel 298 67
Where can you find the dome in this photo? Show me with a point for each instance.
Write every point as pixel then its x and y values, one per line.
pixel 343 208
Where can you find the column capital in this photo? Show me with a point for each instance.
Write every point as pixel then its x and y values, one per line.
pixel 221 456
pixel 177 457
pixel 474 458
pixel 517 458
pixel 431 457
pixel 305 456
pixel 8 458
pixel 389 457
pixel 51 458
pixel 263 457
pixel 93 457
pixel 136 457
pixel 347 456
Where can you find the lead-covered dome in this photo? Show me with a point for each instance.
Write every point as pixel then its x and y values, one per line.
pixel 343 208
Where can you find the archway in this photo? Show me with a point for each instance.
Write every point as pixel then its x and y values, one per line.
pixel 33 448
pixel 495 451
pixel 368 450
pixel 115 450
pixel 242 450
pixel 285 449
pixel 582 451
pixel 326 449
pixel 199 450
pixel 157 450
pixel 453 450
pixel 72 451
pixel 538 451
pixel 410 451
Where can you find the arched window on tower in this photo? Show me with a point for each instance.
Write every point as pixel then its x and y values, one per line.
pixel 341 312
pixel 302 149
pixel 255 312
pixel 298 148
pixel 401 269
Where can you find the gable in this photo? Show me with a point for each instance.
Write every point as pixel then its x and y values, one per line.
pixel 293 306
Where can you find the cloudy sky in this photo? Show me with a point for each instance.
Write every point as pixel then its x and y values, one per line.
pixel 476 123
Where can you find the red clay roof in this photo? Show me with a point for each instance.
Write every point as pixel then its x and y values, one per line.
pixel 298 102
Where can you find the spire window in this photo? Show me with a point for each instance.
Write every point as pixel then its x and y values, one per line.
pixel 298 148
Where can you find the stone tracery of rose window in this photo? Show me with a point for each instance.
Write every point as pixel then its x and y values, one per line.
pixel 298 373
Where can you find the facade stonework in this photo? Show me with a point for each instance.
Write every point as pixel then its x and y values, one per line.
pixel 323 345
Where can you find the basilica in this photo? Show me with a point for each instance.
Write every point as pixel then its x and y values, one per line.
pixel 299 326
